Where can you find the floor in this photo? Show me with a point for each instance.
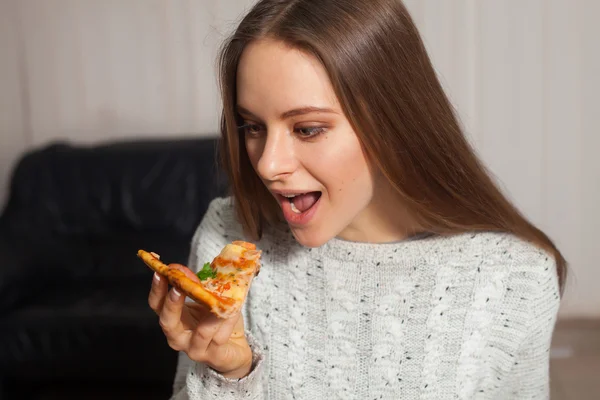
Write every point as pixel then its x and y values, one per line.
pixel 575 361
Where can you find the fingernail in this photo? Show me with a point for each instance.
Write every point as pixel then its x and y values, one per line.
pixel 156 277
pixel 175 294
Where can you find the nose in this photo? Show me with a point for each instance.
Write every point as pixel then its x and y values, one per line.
pixel 277 159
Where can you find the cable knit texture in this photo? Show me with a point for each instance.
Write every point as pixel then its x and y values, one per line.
pixel 463 317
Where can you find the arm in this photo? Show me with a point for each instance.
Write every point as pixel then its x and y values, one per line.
pixel 507 330
pixel 531 373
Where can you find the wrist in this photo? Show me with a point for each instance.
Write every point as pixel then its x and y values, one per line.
pixel 240 372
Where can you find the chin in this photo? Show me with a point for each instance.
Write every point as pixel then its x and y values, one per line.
pixel 310 238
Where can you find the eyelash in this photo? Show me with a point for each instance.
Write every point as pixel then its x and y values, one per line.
pixel 315 130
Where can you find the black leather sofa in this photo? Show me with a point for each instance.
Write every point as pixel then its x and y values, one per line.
pixel 73 295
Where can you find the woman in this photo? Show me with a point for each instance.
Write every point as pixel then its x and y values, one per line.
pixel 393 267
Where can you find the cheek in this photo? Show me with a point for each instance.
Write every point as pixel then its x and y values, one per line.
pixel 344 168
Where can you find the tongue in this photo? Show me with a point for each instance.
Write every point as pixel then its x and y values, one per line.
pixel 305 201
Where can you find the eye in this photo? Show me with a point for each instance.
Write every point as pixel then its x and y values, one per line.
pixel 252 129
pixel 310 131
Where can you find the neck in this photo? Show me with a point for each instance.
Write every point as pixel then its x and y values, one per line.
pixel 384 220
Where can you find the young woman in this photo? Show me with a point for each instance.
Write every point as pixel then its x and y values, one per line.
pixel 393 267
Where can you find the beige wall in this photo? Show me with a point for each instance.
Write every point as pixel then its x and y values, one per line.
pixel 523 75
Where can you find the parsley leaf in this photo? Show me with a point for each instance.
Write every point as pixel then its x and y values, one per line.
pixel 206 272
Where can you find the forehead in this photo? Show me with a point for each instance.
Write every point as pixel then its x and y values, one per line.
pixel 278 77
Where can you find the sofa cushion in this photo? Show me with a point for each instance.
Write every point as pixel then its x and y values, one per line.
pixel 95 321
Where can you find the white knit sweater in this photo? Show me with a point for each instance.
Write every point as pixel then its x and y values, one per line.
pixel 463 317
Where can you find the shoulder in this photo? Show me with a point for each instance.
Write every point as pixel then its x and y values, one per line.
pixel 523 261
pixel 525 272
pixel 510 280
pixel 502 251
pixel 508 249
pixel 501 257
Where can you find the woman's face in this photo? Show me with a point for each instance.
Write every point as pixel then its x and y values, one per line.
pixel 303 148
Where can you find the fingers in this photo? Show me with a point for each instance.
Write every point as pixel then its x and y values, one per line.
pixel 170 321
pixel 158 291
pixel 160 287
pixel 168 306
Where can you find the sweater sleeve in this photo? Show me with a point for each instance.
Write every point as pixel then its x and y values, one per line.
pixel 531 370
pixel 196 381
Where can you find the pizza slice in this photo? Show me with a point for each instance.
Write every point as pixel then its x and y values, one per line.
pixel 222 285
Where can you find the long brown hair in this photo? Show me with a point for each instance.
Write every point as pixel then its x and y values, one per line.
pixel 390 93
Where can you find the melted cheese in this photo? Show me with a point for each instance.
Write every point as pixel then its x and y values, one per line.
pixel 234 268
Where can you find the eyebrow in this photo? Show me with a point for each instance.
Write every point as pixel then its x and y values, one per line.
pixel 293 113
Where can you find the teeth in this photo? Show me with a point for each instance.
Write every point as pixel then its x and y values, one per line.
pixel 294 209
pixel 291 196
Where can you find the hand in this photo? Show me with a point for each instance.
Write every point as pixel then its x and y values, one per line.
pixel 193 329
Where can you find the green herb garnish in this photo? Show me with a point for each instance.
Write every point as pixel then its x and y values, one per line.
pixel 206 272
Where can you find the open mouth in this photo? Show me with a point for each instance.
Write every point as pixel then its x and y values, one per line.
pixel 299 208
pixel 301 203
